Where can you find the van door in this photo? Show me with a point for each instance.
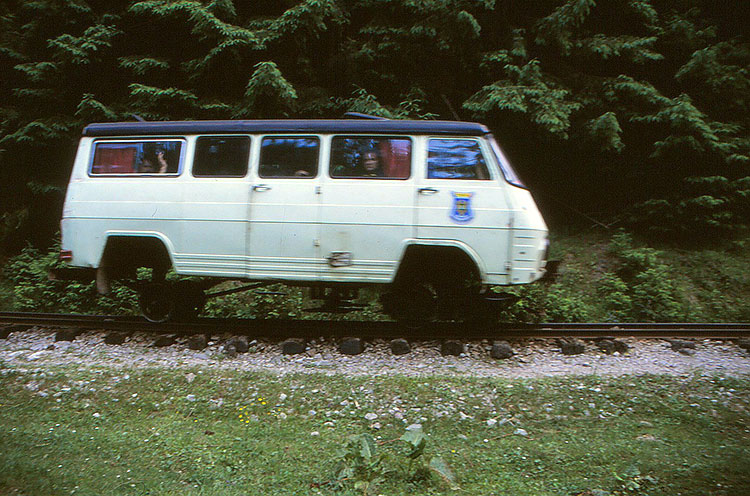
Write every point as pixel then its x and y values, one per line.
pixel 215 208
pixel 284 210
pixel 461 201
pixel 367 205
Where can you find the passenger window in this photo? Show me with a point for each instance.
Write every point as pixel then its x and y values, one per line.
pixel 225 156
pixel 456 159
pixel 289 157
pixel 137 157
pixel 370 157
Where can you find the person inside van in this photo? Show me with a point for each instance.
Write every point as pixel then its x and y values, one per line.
pixel 160 158
pixel 146 166
pixel 371 165
pixel 153 164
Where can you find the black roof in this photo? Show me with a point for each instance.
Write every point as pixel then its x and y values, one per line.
pixel 384 126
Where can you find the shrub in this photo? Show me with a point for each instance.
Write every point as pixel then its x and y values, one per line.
pixel 655 296
pixel 562 305
pixel 642 287
pixel 528 308
pixel 34 292
pixel 615 297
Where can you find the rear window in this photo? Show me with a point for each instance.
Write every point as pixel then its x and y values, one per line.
pixel 221 156
pixel 289 156
pixel 370 157
pixel 137 157
pixel 456 159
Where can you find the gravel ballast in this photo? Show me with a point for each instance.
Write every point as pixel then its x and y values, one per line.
pixel 532 358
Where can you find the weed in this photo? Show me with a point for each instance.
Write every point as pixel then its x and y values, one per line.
pixel 365 463
pixel 633 483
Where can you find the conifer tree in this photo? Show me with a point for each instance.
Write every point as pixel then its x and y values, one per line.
pixel 635 106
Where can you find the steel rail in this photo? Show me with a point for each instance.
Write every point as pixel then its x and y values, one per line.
pixel 374 329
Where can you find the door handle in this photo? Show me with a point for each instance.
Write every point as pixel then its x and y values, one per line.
pixel 261 187
pixel 427 191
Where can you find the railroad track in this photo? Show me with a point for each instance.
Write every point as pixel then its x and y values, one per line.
pixel 366 329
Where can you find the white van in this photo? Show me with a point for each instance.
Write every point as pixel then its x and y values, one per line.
pixel 430 210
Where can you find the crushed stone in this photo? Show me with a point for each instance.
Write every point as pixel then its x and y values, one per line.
pixel 533 357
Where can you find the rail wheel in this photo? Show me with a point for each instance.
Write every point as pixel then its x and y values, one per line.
pixel 414 305
pixel 458 294
pixel 189 300
pixel 157 302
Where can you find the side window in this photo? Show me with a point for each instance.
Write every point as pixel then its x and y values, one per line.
pixel 508 172
pixel 370 157
pixel 456 159
pixel 289 157
pixel 225 156
pixel 137 157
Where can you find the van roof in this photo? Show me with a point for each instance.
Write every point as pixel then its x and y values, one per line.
pixel 383 126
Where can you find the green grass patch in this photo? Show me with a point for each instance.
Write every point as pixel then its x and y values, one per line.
pixel 103 431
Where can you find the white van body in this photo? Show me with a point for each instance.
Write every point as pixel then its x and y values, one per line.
pixel 320 227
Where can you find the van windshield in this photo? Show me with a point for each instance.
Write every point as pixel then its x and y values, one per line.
pixel 508 172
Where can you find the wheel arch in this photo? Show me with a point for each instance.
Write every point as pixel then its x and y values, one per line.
pixel 148 239
pixel 439 250
pixel 124 252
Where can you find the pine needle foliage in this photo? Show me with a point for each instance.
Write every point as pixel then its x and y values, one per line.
pixel 268 93
pixel 633 110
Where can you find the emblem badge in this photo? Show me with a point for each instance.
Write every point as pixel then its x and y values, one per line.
pixel 462 211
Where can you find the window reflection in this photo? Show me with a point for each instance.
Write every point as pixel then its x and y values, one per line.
pixel 370 157
pixel 508 171
pixel 221 156
pixel 136 157
pixel 456 159
pixel 289 157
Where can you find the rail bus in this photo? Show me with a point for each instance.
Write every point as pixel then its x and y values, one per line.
pixel 431 212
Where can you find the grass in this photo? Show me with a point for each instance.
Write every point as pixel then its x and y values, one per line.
pixel 92 431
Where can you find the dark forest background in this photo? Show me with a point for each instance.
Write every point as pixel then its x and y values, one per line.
pixel 631 113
